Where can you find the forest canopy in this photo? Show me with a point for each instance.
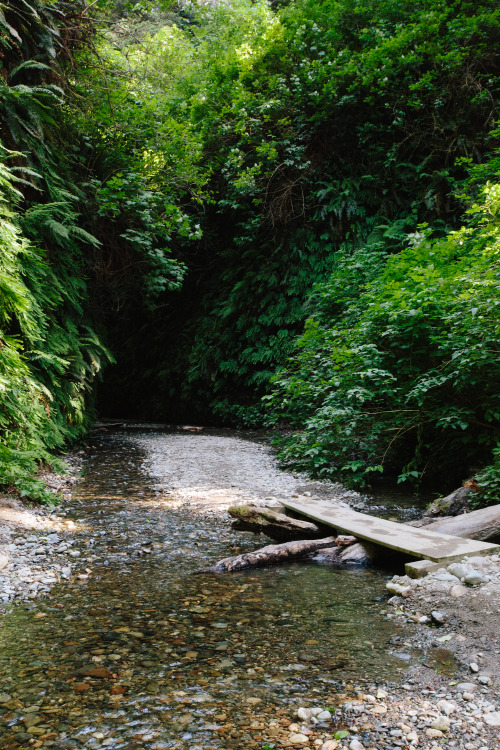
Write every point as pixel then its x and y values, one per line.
pixel 266 214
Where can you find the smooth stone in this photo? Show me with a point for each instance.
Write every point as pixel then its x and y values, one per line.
pixel 298 739
pixel 398 590
pixel 484 679
pixel 356 745
pixel 431 732
pixel 459 570
pixel 324 716
pixel 492 719
pixel 473 667
pixel 466 687
pixel 447 707
pixel 304 713
pixel 475 578
pixel 442 723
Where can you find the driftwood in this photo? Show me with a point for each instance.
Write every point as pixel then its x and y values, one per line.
pixel 273 554
pixel 274 524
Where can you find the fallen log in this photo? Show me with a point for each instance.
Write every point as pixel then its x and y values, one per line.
pixel 483 525
pixel 273 554
pixel 274 524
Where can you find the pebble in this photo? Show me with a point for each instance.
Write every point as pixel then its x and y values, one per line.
pixel 442 723
pixel 298 738
pixel 439 617
pixel 492 719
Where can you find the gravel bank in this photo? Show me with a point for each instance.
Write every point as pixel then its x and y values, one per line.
pixel 36 544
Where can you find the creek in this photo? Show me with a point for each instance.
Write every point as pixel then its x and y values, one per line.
pixel 136 651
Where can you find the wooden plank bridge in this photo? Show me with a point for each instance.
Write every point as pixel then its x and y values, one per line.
pixel 416 542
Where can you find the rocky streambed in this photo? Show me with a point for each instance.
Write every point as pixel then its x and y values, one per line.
pixel 120 645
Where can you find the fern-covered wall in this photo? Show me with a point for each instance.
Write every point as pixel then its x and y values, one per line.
pixel 50 352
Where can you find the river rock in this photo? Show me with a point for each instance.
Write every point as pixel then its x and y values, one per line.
pixel 297 738
pixel 447 707
pixel 431 732
pixel 459 570
pixel 475 578
pixel 466 687
pixel 304 713
pixel 492 719
pixel 484 679
pixel 442 723
pixel 439 617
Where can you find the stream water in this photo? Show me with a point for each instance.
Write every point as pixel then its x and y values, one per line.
pixel 137 651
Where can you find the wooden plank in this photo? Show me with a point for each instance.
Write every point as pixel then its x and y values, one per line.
pixel 417 542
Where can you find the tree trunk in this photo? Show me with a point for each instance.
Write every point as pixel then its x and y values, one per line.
pixel 483 525
pixel 273 554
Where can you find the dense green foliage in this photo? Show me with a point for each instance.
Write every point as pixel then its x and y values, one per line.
pixel 198 183
pixel 406 380
pixel 49 351
pixel 284 138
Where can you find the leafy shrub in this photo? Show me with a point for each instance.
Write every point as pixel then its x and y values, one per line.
pixel 406 380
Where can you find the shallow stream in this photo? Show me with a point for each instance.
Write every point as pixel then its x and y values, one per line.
pixel 137 651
